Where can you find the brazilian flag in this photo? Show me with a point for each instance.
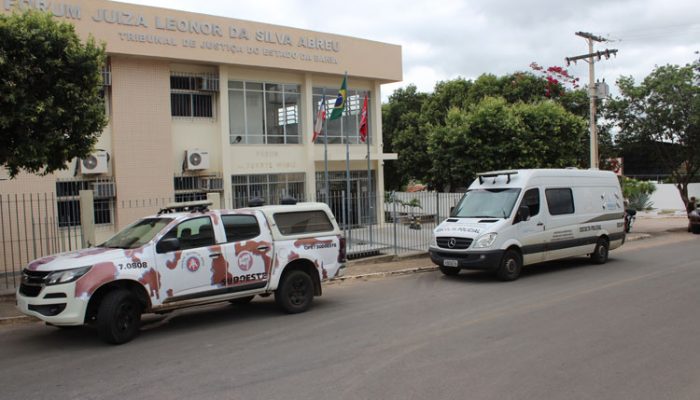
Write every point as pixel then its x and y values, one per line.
pixel 340 101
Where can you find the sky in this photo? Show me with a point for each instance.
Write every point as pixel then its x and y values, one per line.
pixel 447 39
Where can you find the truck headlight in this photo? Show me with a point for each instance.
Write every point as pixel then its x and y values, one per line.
pixel 65 276
pixel 484 241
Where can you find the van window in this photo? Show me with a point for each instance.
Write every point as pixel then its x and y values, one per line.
pixel 486 203
pixel 531 199
pixel 560 201
pixel 291 223
pixel 240 227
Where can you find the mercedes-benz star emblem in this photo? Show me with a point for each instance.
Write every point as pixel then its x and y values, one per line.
pixel 452 243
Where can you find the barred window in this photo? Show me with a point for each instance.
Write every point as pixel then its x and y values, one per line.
pixel 68 201
pixel 269 187
pixel 347 127
pixel 264 113
pixel 193 95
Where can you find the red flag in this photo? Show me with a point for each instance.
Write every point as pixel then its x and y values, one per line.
pixel 363 122
pixel 320 117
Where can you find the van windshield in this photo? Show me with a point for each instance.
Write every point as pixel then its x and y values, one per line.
pixel 486 203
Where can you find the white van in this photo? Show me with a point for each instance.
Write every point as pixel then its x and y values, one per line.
pixel 508 219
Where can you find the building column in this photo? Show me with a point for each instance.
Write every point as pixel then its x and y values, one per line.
pixel 378 147
pixel 226 170
pixel 307 103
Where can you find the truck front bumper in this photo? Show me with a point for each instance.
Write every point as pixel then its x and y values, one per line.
pixel 54 304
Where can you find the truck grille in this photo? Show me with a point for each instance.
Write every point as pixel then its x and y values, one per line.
pixel 453 243
pixel 32 282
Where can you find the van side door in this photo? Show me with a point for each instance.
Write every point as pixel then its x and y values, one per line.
pixel 531 233
pixel 562 224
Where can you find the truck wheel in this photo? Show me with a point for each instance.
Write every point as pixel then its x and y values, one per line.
pixel 295 292
pixel 118 317
pixel 449 271
pixel 510 267
pixel 242 301
pixel 600 253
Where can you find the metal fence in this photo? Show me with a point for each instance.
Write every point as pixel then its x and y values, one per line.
pixel 37 225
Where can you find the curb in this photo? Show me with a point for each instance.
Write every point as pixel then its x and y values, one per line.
pixel 384 274
pixel 22 319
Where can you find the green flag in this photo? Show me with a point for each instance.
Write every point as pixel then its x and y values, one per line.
pixel 340 101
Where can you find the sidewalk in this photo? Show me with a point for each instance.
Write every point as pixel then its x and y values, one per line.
pixel 646 226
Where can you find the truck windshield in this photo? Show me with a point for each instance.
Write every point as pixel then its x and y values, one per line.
pixel 137 234
pixel 486 203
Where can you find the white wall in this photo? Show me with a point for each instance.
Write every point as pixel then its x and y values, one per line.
pixel 667 197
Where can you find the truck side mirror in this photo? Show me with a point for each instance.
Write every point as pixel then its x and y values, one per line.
pixel 523 214
pixel 168 245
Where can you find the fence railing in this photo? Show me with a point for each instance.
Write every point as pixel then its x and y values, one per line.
pixel 37 225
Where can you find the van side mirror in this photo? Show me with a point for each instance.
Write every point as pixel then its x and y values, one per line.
pixel 168 245
pixel 523 214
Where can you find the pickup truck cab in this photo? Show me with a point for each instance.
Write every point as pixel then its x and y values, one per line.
pixel 187 255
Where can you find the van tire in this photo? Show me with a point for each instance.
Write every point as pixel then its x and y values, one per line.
pixel 295 293
pixel 118 317
pixel 510 266
pixel 449 271
pixel 600 253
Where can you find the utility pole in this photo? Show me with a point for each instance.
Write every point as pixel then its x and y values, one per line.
pixel 593 88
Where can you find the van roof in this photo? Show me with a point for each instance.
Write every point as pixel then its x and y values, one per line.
pixel 518 177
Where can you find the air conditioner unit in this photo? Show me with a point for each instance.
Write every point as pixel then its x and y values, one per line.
pixel 95 163
pixel 211 184
pixel 196 159
pixel 104 189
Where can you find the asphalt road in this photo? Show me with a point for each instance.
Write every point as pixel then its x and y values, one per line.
pixel 629 329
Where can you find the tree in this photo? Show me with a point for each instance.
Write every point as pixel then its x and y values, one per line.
pixel 664 110
pixel 51 110
pixel 400 119
pixel 497 135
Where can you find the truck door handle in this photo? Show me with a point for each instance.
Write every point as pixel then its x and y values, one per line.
pixel 263 248
pixel 214 255
pixel 540 224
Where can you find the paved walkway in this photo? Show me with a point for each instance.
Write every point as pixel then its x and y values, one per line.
pixel 646 226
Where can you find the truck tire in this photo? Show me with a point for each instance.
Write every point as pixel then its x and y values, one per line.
pixel 600 253
pixel 449 271
pixel 118 317
pixel 510 267
pixel 295 292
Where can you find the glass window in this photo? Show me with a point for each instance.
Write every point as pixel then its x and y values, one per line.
pixel 486 203
pixel 193 95
pixel 137 234
pixel 264 113
pixel 531 199
pixel 560 201
pixel 193 233
pixel 240 227
pixel 345 128
pixel 291 223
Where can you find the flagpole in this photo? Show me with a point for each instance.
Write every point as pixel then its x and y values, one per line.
pixel 369 181
pixel 325 151
pixel 347 167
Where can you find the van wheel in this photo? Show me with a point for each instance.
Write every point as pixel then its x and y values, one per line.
pixel 449 271
pixel 242 301
pixel 118 317
pixel 510 267
pixel 600 253
pixel 295 292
